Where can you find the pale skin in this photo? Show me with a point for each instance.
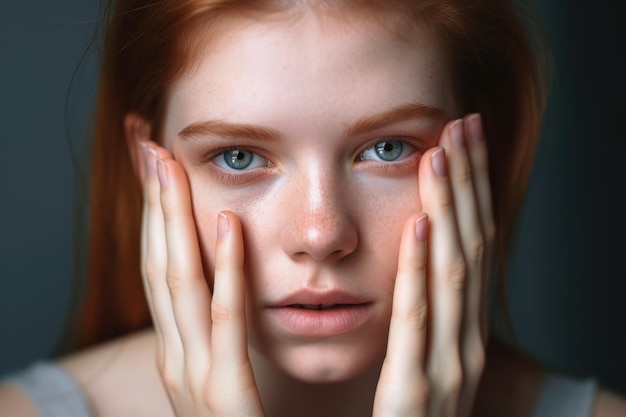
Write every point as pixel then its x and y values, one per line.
pixel 411 237
pixel 336 101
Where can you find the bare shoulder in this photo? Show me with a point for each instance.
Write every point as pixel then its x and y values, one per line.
pixel 117 378
pixel 120 377
pixel 609 404
pixel 13 402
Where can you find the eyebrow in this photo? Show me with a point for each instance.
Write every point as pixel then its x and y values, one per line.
pixel 229 130
pixel 366 124
pixel 393 116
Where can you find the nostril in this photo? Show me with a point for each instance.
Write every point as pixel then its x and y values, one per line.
pixel 330 251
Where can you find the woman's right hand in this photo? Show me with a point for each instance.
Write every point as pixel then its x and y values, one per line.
pixel 202 341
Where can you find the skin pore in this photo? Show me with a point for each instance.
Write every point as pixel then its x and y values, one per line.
pixel 321 210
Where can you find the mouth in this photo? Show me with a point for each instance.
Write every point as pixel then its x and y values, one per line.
pixel 319 306
pixel 320 320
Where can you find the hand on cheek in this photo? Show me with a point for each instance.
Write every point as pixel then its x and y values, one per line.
pixel 202 341
pixel 439 307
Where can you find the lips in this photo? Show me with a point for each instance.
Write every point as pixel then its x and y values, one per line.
pixel 318 306
pixel 311 314
pixel 313 299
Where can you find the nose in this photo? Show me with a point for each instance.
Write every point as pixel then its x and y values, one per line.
pixel 320 226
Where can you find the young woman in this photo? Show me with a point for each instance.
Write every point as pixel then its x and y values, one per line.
pixel 319 214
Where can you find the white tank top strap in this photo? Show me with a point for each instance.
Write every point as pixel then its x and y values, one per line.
pixel 52 391
pixel 566 397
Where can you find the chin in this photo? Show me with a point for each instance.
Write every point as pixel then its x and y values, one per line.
pixel 327 363
pixel 326 375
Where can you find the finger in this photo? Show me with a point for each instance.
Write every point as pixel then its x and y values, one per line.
pixel 477 151
pixel 230 363
pixel 447 270
pixel 469 226
pixel 407 331
pixel 229 335
pixel 447 265
pixel 154 259
pixel 145 213
pixel 190 295
pixel 473 244
pixel 403 384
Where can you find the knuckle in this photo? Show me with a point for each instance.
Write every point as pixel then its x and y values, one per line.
pixel 153 199
pixel 409 398
pixel 175 212
pixel 463 172
pixel 174 281
pixel 422 394
pixel 221 264
pixel 476 250
pixel 152 273
pixel 451 384
pixel 219 312
pixel 417 315
pixel 213 401
pixel 456 273
pixel 221 403
pixel 444 201
pixel 476 366
pixel 169 215
pixel 474 360
pixel 170 379
pixel 420 263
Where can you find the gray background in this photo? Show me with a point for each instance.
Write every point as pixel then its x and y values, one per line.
pixel 567 276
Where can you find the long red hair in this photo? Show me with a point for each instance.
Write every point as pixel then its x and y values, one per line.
pixel 495 46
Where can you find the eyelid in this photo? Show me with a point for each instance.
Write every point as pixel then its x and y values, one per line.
pixel 230 176
pixel 208 157
pixel 419 145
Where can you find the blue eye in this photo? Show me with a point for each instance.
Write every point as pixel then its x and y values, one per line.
pixel 239 160
pixel 387 151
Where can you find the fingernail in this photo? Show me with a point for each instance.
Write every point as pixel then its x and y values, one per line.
pixel 439 163
pixel 150 156
pixel 162 173
pixel 475 128
pixel 223 224
pixel 421 228
pixel 456 134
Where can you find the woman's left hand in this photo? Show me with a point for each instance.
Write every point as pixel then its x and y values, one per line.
pixel 436 347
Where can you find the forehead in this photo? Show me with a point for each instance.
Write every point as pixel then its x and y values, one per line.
pixel 308 69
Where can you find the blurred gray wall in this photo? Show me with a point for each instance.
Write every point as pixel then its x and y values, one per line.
pixel 41 45
pixel 567 281
pixel 567 275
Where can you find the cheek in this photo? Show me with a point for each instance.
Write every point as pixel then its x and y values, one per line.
pixel 208 201
pixel 206 226
pixel 375 207
pixel 383 219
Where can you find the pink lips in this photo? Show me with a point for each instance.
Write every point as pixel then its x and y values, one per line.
pixel 310 314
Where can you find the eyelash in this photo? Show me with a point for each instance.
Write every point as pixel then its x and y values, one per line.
pixel 409 162
pixel 234 176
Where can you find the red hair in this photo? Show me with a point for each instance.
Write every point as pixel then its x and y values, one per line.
pixel 496 48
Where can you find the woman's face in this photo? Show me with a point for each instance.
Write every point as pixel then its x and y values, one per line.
pixel 311 131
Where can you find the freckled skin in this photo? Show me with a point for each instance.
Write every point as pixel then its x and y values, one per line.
pixel 320 217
